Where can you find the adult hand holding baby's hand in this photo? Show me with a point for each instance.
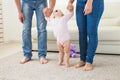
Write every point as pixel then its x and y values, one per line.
pixel 70 7
pixel 47 12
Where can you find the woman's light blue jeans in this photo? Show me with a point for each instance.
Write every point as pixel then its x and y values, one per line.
pixel 88 28
pixel 28 8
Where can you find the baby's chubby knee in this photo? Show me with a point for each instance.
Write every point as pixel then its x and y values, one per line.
pixel 67 51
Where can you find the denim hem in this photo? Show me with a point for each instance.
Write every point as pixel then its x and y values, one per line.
pixel 42 57
pixel 27 56
pixel 82 60
pixel 89 62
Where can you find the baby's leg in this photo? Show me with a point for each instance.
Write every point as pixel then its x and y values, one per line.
pixel 67 52
pixel 61 53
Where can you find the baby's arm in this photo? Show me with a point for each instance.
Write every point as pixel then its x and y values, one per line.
pixel 69 14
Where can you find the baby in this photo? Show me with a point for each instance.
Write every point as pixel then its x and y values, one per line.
pixel 60 31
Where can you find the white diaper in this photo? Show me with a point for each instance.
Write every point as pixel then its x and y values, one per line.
pixel 63 38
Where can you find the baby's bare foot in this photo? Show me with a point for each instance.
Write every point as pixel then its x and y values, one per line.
pixel 67 65
pixel 79 64
pixel 88 67
pixel 60 62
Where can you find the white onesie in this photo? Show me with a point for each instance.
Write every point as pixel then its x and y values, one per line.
pixel 60 28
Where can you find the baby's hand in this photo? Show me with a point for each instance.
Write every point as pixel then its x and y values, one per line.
pixel 70 7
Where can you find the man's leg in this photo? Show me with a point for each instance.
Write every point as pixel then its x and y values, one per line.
pixel 26 33
pixel 42 33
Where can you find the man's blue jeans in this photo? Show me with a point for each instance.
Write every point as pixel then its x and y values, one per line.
pixel 28 8
pixel 88 28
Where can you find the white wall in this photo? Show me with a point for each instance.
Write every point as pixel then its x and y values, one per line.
pixel 12 26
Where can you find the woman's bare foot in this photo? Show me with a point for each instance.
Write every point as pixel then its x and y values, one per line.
pixel 43 61
pixel 79 64
pixel 24 60
pixel 88 67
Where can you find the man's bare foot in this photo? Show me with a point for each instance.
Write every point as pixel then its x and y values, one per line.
pixel 43 61
pixel 88 67
pixel 79 64
pixel 24 60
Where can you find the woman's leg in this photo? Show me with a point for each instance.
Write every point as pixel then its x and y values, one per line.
pixel 81 23
pixel 92 29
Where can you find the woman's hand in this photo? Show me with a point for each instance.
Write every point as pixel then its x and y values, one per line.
pixel 88 7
